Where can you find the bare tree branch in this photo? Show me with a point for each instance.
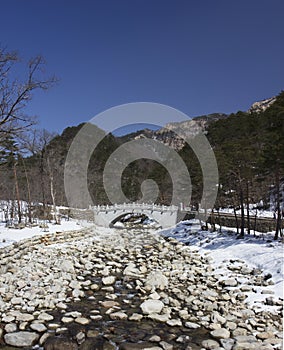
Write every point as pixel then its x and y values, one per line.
pixel 15 94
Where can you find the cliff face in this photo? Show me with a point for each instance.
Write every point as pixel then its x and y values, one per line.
pixel 261 106
pixel 174 134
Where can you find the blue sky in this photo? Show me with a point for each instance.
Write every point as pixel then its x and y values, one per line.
pixel 197 56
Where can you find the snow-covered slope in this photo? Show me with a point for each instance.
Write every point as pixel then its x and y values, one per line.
pixel 9 235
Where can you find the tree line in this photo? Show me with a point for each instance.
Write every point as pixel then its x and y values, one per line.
pixel 248 147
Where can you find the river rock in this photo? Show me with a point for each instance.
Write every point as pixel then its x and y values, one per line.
pixel 118 316
pixel 210 344
pixel 94 287
pixel 174 322
pixel 135 317
pixel 45 317
pixel 227 343
pixel 239 331
pixel 82 320
pixel 109 280
pixel 67 266
pixel 221 333
pixel 166 346
pixel 265 335
pixel 16 300
pixel 44 337
pixel 10 327
pixel 109 303
pixel 217 318
pixel 231 325
pixel 96 317
pixel 25 317
pixel 131 270
pixel 155 339
pixel 67 319
pixel 73 314
pixel 230 282
pixel 80 337
pixel 75 284
pixel 8 319
pixel 192 325
pixel 157 279
pixel 38 327
pixel 151 306
pixel 21 339
pixel 61 305
pixel 77 293
pixel 246 339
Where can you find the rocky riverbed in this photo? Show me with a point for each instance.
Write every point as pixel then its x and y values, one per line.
pixel 133 289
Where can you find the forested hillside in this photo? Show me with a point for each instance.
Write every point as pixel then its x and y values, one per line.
pixel 250 153
pixel 248 146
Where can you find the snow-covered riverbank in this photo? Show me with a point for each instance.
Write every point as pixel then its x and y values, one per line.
pixel 259 252
pixel 10 235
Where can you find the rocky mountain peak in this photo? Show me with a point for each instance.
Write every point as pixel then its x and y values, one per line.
pixel 174 134
pixel 261 106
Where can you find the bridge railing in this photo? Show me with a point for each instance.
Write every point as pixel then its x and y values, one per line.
pixel 131 206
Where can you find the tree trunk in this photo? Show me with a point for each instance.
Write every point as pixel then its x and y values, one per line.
pixel 53 199
pixel 29 193
pixel 52 192
pixel 242 233
pixel 17 193
pixel 247 203
pixel 42 183
pixel 213 226
pixel 199 218
pixel 219 220
pixel 278 211
pixel 236 219
pixel 255 218
pixel 205 215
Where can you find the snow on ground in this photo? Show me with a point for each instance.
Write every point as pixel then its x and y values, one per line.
pixel 11 235
pixel 258 212
pixel 252 210
pixel 259 252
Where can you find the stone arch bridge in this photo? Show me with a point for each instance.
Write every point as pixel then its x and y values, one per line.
pixel 165 216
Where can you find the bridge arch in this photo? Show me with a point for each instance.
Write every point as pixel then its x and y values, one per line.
pixel 165 216
pixel 133 217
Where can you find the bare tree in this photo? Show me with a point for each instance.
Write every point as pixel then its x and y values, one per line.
pixel 17 191
pixel 16 90
pixel 16 93
pixel 29 198
pixel 36 142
